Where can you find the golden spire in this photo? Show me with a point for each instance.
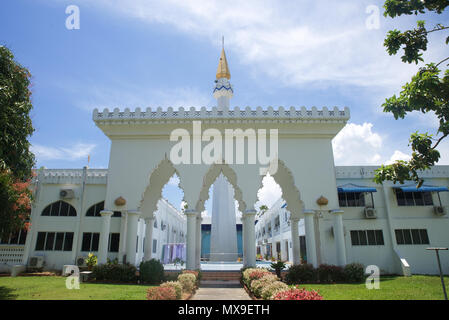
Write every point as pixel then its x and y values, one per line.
pixel 223 69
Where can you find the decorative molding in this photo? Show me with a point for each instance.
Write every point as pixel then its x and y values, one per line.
pixel 291 115
pixel 367 172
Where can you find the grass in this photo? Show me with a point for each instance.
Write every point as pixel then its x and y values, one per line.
pixel 391 288
pixel 54 288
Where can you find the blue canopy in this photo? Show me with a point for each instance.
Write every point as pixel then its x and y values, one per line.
pixel 423 188
pixel 284 205
pixel 350 187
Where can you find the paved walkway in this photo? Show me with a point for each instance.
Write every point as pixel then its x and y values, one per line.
pixel 220 290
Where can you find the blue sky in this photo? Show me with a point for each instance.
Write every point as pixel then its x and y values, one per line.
pixel 165 53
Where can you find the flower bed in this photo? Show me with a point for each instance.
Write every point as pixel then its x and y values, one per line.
pixel 183 288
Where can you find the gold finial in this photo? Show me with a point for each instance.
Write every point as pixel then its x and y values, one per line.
pixel 223 69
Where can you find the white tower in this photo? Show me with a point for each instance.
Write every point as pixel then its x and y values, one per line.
pixel 223 240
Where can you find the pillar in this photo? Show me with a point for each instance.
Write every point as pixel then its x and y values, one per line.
pixel 310 237
pixel 131 236
pixel 296 255
pixel 250 241
pixel 149 222
pixel 191 239
pixel 339 236
pixel 198 242
pixel 122 244
pixel 244 241
pixel 104 236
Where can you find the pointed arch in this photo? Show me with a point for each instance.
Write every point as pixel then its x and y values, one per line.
pixel 158 178
pixel 290 193
pixel 210 177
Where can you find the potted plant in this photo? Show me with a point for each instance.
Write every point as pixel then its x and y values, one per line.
pixel 91 261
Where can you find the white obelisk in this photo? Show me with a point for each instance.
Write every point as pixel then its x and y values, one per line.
pixel 223 240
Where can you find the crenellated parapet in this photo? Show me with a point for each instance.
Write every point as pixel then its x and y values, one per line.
pixel 289 115
pixel 72 176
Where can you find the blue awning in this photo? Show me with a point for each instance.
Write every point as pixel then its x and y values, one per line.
pixel 350 187
pixel 423 188
pixel 284 205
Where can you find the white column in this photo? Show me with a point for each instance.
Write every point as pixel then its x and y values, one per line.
pixel 339 236
pixel 198 242
pixel 131 236
pixel 250 242
pixel 244 241
pixel 310 238
pixel 149 222
pixel 191 239
pixel 104 236
pixel 294 219
pixel 122 244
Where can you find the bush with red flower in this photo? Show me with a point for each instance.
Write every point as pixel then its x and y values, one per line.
pixel 297 294
pixel 161 293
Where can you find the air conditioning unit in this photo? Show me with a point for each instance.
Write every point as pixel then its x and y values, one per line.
pixel 36 262
pixel 67 193
pixel 439 211
pixel 81 261
pixel 370 213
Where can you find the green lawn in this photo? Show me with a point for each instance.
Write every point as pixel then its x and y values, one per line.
pixel 54 288
pixel 391 288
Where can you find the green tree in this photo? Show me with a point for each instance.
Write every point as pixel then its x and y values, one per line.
pixel 16 160
pixel 428 90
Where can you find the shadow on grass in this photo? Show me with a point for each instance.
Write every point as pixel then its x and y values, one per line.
pixel 7 293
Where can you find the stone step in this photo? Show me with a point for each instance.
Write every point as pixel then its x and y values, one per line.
pixel 220 284
pixel 220 275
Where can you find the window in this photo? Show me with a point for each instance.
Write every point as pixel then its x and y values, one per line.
pixel 90 241
pixel 411 236
pixel 94 211
pixel 117 214
pixel 351 199
pixel 155 223
pixel 54 241
pixel 15 238
pixel 413 198
pixel 59 208
pixel 114 241
pixel 367 238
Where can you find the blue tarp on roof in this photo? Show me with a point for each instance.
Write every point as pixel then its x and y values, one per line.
pixel 350 187
pixel 423 188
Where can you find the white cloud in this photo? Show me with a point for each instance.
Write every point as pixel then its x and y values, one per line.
pixel 398 155
pixel 321 42
pixel 269 193
pixel 357 145
pixel 72 153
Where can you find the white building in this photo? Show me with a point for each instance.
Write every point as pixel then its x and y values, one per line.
pixel 341 213
pixel 405 221
pixel 66 222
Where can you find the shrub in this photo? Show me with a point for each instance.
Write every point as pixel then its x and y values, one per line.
pixel 297 294
pixel 161 293
pixel 258 285
pixel 251 274
pixel 187 281
pixel 115 272
pixel 272 288
pixel 151 271
pixel 196 273
pixel 91 261
pixel 302 273
pixel 354 272
pixel 175 285
pixel 330 273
